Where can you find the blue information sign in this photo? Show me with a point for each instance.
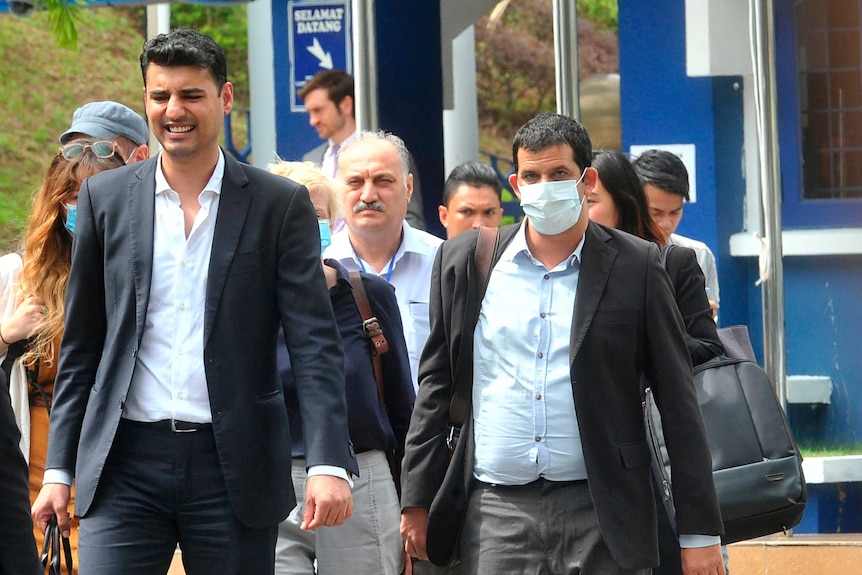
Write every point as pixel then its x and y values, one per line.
pixel 318 39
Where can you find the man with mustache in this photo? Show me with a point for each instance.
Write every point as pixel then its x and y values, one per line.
pixel 378 185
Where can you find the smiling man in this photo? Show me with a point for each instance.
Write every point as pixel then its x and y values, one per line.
pixel 185 268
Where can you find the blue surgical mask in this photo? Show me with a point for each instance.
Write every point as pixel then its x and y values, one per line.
pixel 325 234
pixel 71 217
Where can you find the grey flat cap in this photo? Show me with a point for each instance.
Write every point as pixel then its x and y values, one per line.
pixel 107 120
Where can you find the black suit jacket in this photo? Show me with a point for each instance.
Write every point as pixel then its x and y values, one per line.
pixel 264 274
pixel 625 325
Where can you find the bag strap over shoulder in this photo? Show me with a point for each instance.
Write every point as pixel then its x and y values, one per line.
pixel 373 331
pixel 483 260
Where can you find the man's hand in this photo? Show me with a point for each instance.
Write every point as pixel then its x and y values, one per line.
pixel 53 499
pixel 414 529
pixel 327 502
pixel 703 561
pixel 713 306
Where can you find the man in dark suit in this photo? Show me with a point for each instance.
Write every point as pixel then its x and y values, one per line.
pixel 168 405
pixel 553 456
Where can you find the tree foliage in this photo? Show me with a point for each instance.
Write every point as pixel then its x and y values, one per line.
pixel 515 74
pixel 228 25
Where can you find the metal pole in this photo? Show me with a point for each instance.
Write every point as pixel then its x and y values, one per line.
pixel 566 57
pixel 770 177
pixel 365 64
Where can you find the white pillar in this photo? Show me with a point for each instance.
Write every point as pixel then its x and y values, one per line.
pixel 461 124
pixel 261 79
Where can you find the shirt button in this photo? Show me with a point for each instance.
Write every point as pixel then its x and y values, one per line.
pixel 542 315
pixel 182 307
pixel 547 277
pixel 538 396
pixel 538 438
pixel 180 395
pixel 541 355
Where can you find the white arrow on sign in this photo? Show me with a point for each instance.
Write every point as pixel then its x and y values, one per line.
pixel 325 57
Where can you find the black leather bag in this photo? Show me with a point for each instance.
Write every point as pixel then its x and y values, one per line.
pixel 757 467
pixel 55 550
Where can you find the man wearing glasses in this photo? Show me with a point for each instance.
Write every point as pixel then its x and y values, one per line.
pixel 123 130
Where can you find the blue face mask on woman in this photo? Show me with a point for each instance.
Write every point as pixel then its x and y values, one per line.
pixel 71 217
pixel 325 234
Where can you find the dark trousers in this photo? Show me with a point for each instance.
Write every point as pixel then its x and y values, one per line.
pixel 159 489
pixel 17 545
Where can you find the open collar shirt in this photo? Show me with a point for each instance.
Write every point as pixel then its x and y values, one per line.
pixel 524 418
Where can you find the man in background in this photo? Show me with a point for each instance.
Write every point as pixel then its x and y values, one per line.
pixel 330 102
pixel 665 181
pixel 472 197
pixel 111 121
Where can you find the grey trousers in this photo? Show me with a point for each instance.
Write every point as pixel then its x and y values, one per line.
pixel 369 542
pixel 543 528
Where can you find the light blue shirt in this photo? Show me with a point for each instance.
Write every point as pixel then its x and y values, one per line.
pixel 524 419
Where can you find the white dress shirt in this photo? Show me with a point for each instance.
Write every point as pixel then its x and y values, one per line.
pixel 169 380
pixel 524 418
pixel 411 267
pixel 706 260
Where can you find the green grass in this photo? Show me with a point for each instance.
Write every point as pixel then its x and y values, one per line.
pixel 826 450
pixel 42 84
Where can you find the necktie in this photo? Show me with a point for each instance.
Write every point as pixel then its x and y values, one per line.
pixel 335 148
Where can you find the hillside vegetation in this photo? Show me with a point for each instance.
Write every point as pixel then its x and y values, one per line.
pixel 40 87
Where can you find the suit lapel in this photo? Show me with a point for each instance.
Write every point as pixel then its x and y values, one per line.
pixel 597 260
pixel 141 204
pixel 233 207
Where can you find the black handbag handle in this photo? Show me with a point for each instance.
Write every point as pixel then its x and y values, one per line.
pixel 51 550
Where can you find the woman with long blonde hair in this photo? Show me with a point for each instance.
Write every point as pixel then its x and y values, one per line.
pixel 32 289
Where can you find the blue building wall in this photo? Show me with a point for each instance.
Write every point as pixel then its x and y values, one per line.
pixel 823 294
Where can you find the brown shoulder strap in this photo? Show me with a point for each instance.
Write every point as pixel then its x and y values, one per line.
pixel 373 331
pixel 483 260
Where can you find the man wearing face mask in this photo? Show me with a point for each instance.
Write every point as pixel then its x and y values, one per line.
pixel 554 455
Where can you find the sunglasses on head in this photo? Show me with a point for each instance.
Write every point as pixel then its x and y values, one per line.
pixel 101 149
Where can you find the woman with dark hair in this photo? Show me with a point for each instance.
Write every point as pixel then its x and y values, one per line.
pixel 32 290
pixel 618 201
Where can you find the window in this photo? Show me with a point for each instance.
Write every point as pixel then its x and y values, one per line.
pixel 829 54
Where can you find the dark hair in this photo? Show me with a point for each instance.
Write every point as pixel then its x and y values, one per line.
pixel 473 173
pixel 337 83
pixel 548 129
pixel 663 170
pixel 184 47
pixel 621 181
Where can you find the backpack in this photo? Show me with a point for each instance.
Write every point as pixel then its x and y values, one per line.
pixel 757 467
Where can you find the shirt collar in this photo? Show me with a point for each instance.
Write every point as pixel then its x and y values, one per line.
pixel 213 185
pixel 518 246
pixel 346 141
